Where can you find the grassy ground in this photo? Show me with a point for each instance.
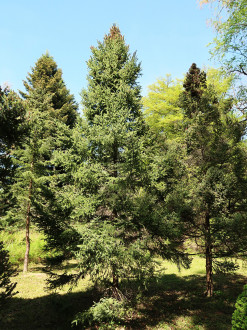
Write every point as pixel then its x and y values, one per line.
pixel 33 307
pixel 174 300
pixel 179 303
pixel 15 243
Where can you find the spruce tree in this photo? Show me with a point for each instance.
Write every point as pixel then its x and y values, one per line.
pixel 120 228
pixel 51 110
pixel 112 237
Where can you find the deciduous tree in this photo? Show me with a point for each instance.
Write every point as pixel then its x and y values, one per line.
pixel 161 107
pixel 229 45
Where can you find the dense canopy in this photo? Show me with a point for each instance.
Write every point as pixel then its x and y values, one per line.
pixel 131 184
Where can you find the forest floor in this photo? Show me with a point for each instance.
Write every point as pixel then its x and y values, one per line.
pixel 173 300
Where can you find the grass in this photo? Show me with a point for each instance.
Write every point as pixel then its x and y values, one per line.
pixel 173 300
pixel 33 307
pixel 178 302
pixel 15 243
pixel 197 267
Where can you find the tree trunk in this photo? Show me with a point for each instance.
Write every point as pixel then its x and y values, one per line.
pixel 115 173
pixel 209 260
pixel 115 281
pixel 115 159
pixel 26 258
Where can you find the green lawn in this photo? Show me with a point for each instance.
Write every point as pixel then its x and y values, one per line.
pixel 173 300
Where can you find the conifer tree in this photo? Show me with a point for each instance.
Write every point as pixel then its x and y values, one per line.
pixel 47 76
pixel 113 207
pixel 12 133
pixel 115 131
pixel 51 110
pixel 216 182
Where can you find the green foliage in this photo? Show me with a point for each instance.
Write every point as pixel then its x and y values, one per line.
pixel 225 267
pixel 46 77
pixel 120 225
pixel 32 158
pixel 112 80
pixel 106 310
pixel 51 112
pixel 12 131
pixel 230 43
pixel 161 107
pixel 6 272
pixel 216 182
pixel 104 255
pixel 124 217
pixel 12 112
pixel 110 163
pixel 221 82
pixel 239 317
pixel 229 46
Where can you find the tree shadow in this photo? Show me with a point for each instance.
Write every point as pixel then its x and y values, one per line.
pixel 166 299
pixel 51 312
pixel 170 297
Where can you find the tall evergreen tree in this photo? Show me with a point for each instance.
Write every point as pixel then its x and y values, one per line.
pixel 51 110
pixel 115 131
pixel 216 182
pixel 119 233
pixel 33 159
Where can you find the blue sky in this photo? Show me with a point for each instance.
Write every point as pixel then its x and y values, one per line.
pixel 167 35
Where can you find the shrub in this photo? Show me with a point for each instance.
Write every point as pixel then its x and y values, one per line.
pixel 239 317
pixel 109 310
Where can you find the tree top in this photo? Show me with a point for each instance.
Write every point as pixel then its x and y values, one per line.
pixel 114 33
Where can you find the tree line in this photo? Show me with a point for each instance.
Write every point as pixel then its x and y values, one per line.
pixel 129 181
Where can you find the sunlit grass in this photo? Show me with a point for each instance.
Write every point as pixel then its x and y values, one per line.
pixel 33 284
pixel 197 267
pixel 181 322
pixel 15 244
pixel 174 300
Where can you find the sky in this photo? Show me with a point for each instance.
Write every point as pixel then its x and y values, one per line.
pixel 167 35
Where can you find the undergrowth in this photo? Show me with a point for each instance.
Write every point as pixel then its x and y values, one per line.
pixel 15 243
